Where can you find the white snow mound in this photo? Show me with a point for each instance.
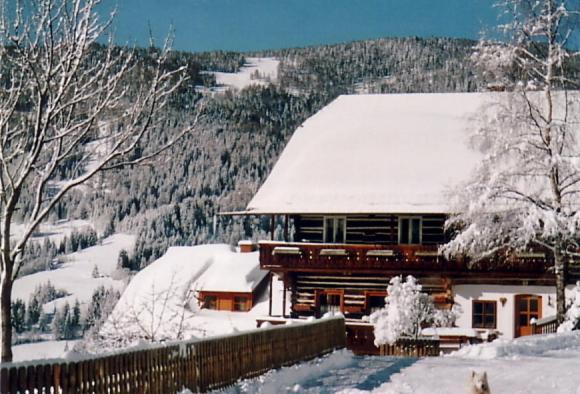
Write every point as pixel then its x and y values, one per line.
pixel 160 302
pixel 535 345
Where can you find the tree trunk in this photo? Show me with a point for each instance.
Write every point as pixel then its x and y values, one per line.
pixel 5 317
pixel 560 268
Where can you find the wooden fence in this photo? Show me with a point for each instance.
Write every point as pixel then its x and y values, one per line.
pixel 360 340
pixel 421 347
pixel 197 365
pixel 547 325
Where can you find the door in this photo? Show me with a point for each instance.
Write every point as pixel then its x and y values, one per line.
pixel 527 307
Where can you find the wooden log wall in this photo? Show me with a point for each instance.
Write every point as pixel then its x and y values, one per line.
pixel 355 290
pixel 379 229
pixel 197 365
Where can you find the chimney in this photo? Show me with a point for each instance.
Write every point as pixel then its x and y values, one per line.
pixel 247 246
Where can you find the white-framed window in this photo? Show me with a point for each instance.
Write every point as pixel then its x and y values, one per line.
pixel 410 230
pixel 334 229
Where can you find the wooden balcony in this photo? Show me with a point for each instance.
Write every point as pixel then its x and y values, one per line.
pixel 312 257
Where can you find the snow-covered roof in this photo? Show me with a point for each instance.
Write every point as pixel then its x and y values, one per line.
pixel 392 153
pixel 232 272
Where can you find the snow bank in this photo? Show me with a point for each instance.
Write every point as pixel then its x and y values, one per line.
pixel 535 345
pixel 546 364
pixel 160 302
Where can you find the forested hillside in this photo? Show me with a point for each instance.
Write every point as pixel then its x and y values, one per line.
pixel 176 201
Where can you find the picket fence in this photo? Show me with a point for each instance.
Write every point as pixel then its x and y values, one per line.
pixel 196 365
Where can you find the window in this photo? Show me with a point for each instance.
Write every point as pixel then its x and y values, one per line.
pixel 484 314
pixel 240 304
pixel 210 302
pixel 409 230
pixel 334 229
pixel 375 302
pixel 330 302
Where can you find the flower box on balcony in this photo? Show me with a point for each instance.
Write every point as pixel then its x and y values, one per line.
pixel 380 253
pixel 333 252
pixel 286 250
pixel 427 253
pixel 531 255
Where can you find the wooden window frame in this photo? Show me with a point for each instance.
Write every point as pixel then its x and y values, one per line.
pixel 334 221
pixel 338 292
pixel 369 294
pixel 410 218
pixel 244 303
pixel 483 314
pixel 206 300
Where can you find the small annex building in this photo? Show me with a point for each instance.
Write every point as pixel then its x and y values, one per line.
pixel 364 186
pixel 233 282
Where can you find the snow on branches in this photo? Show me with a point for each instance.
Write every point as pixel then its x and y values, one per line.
pixel 406 310
pixel 526 192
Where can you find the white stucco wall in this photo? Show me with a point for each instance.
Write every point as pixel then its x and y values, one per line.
pixel 465 294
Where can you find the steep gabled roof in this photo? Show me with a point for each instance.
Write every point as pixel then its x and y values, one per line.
pixel 396 153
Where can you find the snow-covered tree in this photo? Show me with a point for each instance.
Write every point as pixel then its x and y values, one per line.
pixel 19 315
pixel 67 113
pixel 406 310
pixel 526 192
pixel 572 320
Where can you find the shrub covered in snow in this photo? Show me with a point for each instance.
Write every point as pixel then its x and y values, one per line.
pixel 406 309
pixel 572 320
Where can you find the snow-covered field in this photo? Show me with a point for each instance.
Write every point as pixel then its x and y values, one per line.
pixel 256 71
pixel 42 350
pixel 75 275
pixel 55 232
pixel 539 364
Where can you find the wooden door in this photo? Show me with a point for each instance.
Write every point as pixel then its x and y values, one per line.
pixel 225 304
pixel 527 307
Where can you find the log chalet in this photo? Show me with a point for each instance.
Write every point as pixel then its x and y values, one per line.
pixel 362 189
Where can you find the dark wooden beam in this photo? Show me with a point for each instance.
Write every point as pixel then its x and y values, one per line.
pixel 272 224
pixel 270 300
pixel 284 300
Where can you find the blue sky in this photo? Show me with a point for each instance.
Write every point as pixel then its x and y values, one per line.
pixel 260 24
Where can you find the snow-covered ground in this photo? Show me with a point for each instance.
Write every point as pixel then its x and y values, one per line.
pixel 256 71
pixel 75 275
pixel 160 302
pixel 538 364
pixel 42 350
pixel 53 231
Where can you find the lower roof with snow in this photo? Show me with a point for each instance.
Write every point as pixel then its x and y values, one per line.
pixel 393 153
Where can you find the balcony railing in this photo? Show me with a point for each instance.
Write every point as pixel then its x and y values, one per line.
pixel 318 256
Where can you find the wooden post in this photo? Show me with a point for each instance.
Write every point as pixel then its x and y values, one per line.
pixel 285 228
pixel 270 300
pixel 272 223
pixel 284 300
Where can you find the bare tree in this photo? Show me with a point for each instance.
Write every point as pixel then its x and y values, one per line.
pixel 526 192
pixel 160 314
pixel 67 113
